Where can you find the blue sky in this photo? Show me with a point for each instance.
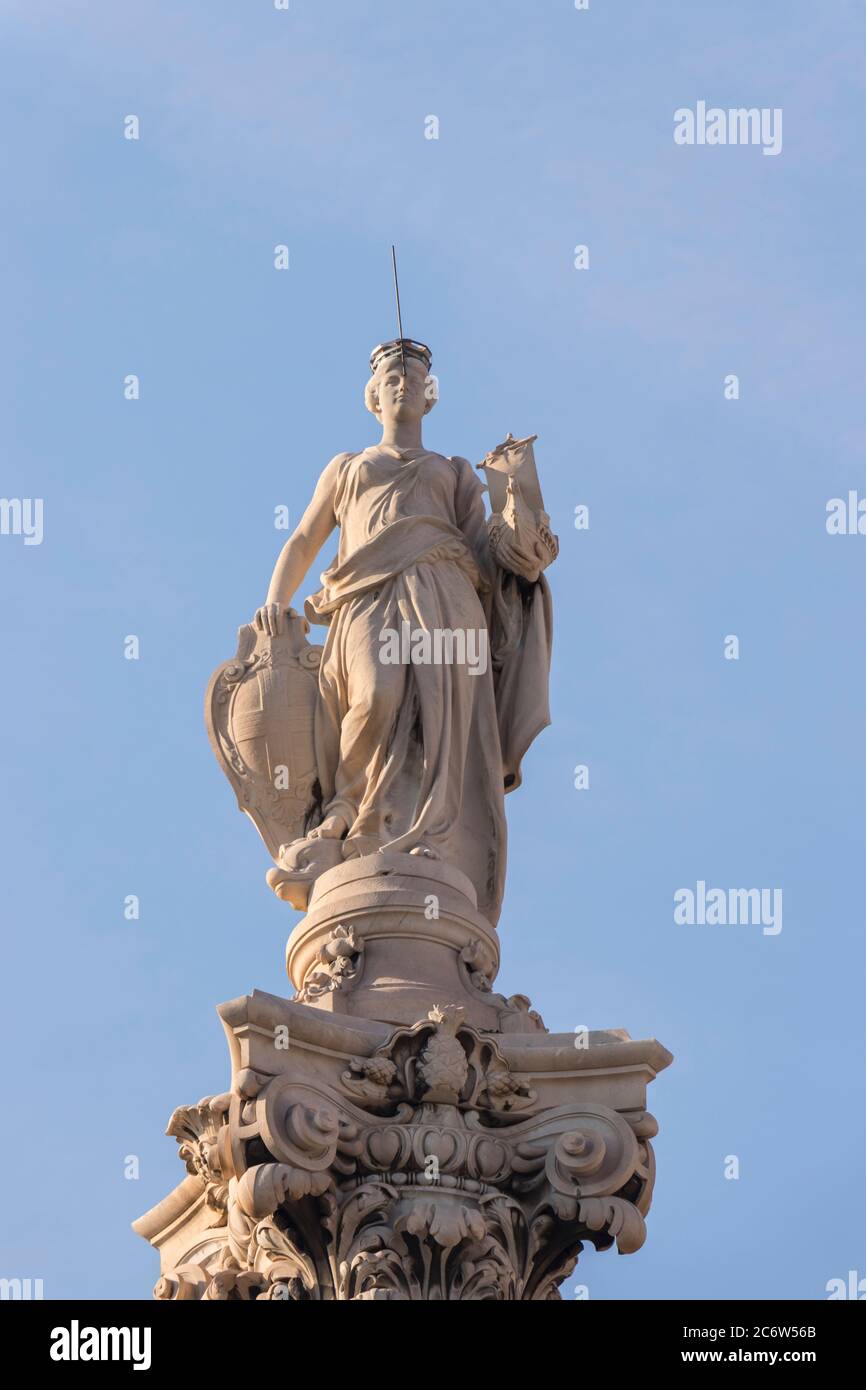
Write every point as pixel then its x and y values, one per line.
pixel 707 518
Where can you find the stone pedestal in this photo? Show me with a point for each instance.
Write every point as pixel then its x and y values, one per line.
pixel 391 936
pixel 400 1131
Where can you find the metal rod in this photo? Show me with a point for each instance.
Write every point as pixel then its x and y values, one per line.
pixel 399 319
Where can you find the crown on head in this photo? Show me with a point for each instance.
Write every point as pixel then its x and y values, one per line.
pixel 410 348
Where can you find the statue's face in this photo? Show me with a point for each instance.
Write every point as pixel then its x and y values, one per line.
pixel 402 397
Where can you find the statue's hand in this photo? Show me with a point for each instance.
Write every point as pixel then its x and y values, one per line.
pixel 270 618
pixel 513 557
pixel 524 550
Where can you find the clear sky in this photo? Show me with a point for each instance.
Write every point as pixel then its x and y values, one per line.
pixel 155 257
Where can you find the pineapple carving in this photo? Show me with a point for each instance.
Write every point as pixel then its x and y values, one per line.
pixel 441 1060
pixel 442 1067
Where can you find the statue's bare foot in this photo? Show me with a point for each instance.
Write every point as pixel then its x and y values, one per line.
pixel 332 828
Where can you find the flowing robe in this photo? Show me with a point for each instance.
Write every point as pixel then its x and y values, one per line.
pixel 416 756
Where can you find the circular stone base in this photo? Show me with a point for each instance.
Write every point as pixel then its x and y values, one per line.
pixel 389 936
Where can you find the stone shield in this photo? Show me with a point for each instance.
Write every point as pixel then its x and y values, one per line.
pixel 260 710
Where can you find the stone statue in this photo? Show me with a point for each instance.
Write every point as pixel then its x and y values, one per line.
pixel 398 1130
pixel 433 679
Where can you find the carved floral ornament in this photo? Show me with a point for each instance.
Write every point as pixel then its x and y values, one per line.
pixel 427 1173
pixel 337 965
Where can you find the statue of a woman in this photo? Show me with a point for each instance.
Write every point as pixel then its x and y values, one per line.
pixel 419 736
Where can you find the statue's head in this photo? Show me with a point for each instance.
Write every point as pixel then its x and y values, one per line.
pixel 391 395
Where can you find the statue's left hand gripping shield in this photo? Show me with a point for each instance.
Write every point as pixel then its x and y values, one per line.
pixel 260 711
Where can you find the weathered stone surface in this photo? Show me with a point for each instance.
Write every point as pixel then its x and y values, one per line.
pixel 400 1130
pixel 433 1162
pixel 390 936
